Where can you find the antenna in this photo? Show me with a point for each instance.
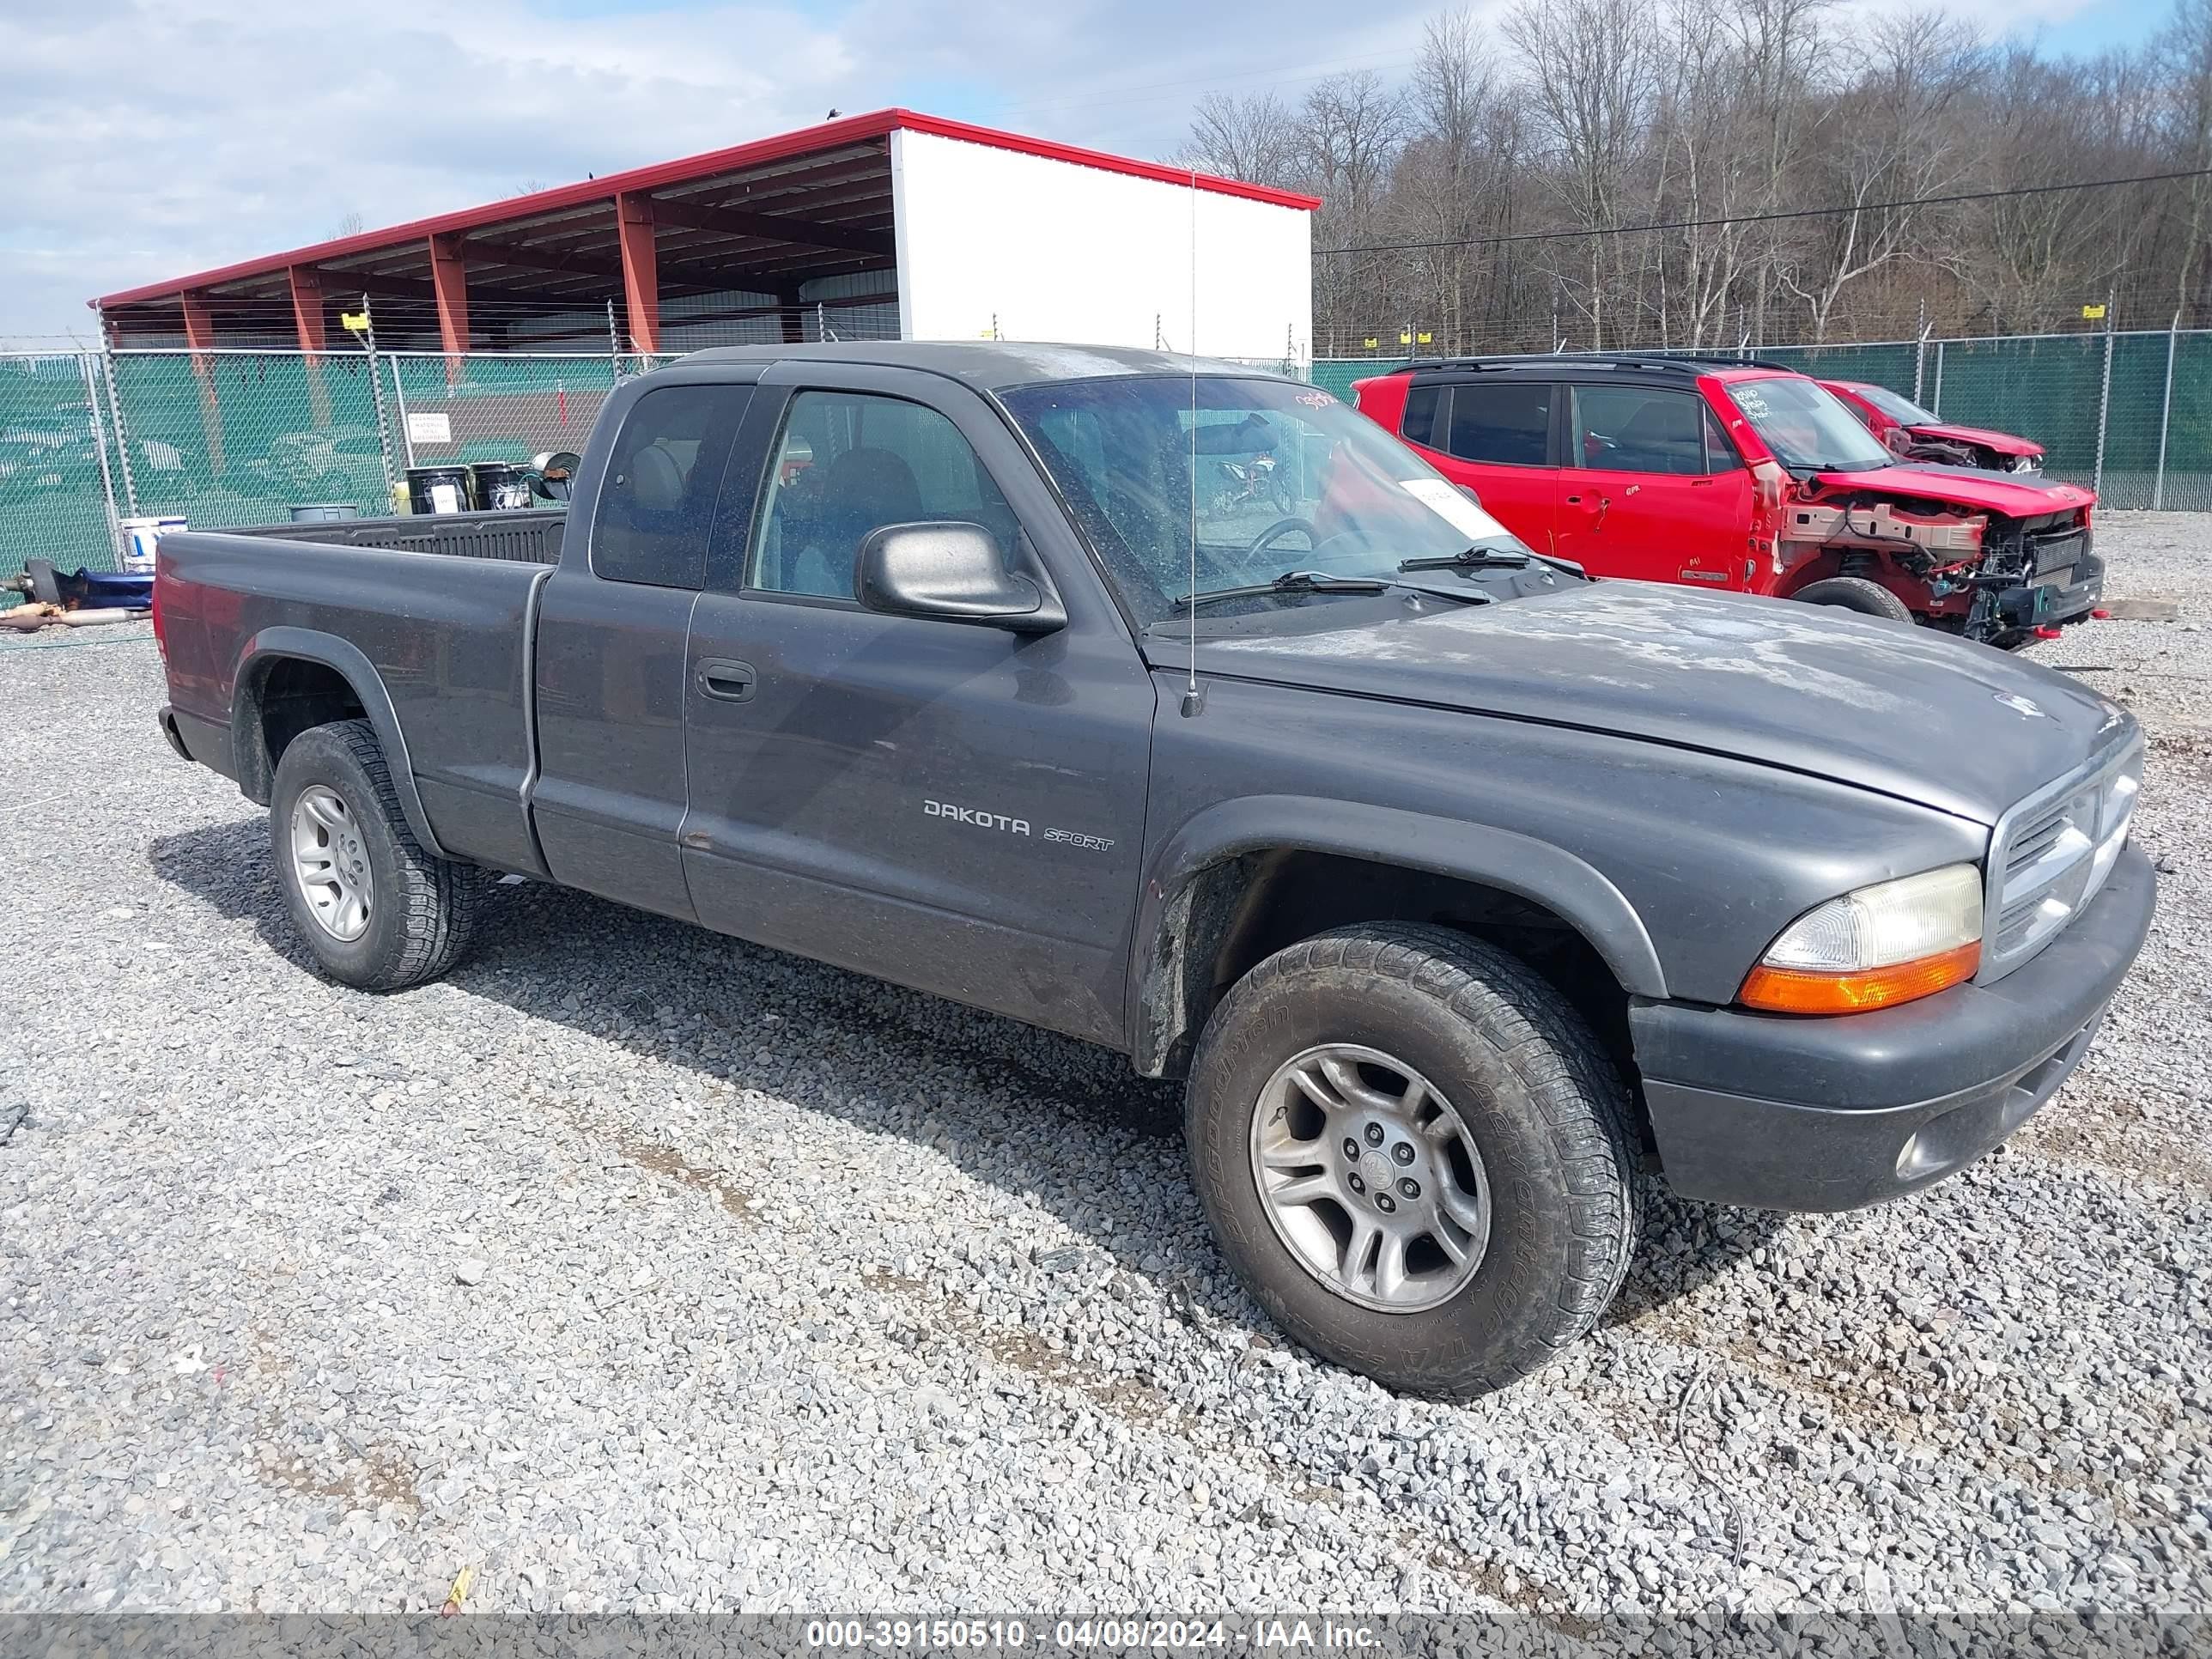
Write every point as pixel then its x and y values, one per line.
pixel 1191 702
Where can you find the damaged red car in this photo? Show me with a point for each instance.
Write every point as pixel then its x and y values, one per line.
pixel 1744 477
pixel 1920 435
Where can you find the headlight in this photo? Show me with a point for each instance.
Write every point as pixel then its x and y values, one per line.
pixel 1884 944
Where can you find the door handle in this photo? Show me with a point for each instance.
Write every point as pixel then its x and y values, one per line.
pixel 726 678
pixel 1603 503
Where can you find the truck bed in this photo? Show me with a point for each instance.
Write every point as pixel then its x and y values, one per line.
pixel 527 538
pixel 440 609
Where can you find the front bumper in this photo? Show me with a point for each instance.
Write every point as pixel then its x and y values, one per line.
pixel 1779 1112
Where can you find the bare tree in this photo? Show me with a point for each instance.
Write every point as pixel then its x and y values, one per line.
pixel 1350 128
pixel 1893 142
pixel 1790 158
pixel 1252 137
pixel 2185 44
pixel 1453 178
pixel 1590 68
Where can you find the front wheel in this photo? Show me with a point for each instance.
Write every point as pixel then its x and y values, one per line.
pixel 1869 598
pixel 377 911
pixel 1415 1155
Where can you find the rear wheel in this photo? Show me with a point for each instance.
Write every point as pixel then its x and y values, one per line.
pixel 1415 1155
pixel 1869 598
pixel 377 911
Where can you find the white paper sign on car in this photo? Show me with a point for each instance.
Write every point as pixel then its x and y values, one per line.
pixel 1452 506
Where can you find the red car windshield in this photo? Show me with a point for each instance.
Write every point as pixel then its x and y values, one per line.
pixel 1897 407
pixel 1807 426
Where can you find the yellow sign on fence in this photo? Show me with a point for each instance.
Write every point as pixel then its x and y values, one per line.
pixel 355 322
pixel 2093 313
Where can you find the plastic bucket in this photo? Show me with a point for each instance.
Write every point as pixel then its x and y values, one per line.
pixel 323 512
pixel 139 535
pixel 440 490
pixel 500 486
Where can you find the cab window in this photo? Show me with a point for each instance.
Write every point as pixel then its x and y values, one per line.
pixel 1631 429
pixel 848 463
pixel 1504 422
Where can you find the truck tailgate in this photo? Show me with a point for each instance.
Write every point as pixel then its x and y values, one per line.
pixel 442 641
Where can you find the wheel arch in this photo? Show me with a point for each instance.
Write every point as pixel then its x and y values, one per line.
pixel 277 693
pixel 1244 877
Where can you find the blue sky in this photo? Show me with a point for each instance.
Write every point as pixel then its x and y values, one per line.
pixel 150 139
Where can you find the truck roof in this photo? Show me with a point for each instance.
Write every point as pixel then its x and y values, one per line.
pixel 990 365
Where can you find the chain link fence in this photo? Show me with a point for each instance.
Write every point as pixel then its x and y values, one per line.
pixel 227 438
pixel 54 496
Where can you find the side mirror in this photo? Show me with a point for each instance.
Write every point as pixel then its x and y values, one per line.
pixel 551 473
pixel 1468 490
pixel 953 573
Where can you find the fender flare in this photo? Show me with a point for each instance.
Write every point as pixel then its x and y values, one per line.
pixel 1534 870
pixel 271 645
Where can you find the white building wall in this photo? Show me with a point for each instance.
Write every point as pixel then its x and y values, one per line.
pixel 1055 251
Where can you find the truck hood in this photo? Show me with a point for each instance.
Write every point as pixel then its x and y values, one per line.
pixel 1913 713
pixel 2004 443
pixel 1987 492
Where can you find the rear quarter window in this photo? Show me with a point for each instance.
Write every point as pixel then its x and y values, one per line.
pixel 1424 404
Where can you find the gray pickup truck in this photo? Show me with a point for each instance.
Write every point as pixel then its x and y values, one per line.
pixel 1180 708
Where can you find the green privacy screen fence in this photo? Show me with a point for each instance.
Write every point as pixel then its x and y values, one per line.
pixel 242 437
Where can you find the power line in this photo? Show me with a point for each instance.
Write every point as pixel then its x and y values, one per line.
pixel 1763 218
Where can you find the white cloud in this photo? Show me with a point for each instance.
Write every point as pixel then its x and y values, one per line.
pixel 146 141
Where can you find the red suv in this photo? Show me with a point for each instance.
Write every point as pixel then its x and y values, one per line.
pixel 1745 476
pixel 1920 435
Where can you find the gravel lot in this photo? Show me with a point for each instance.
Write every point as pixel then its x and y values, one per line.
pixel 638 1268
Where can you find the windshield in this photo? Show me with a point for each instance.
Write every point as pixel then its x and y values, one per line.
pixel 1901 408
pixel 1807 426
pixel 1287 477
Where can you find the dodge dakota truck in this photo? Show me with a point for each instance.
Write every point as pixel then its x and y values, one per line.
pixel 1465 892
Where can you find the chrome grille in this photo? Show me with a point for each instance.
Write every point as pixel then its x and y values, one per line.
pixel 2051 853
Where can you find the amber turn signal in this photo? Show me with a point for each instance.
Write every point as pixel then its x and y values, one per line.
pixel 1798 991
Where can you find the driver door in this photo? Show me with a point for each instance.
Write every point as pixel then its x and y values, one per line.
pixel 946 805
pixel 1636 498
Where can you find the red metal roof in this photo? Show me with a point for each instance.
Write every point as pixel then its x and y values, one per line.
pixel 828 135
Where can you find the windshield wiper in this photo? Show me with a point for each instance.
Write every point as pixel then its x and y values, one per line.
pixel 1477 557
pixel 1486 558
pixel 1291 582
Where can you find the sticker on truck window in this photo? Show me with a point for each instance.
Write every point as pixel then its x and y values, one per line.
pixel 1449 504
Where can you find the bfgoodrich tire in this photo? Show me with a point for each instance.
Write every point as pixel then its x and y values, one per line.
pixel 1869 598
pixel 377 911
pixel 1415 1155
